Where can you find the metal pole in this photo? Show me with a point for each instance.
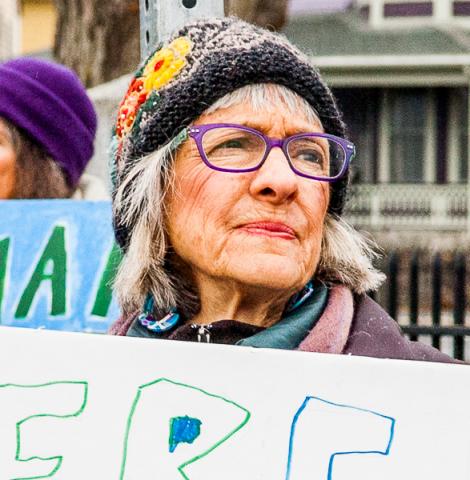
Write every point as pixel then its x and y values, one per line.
pixel 414 291
pixel 459 303
pixel 159 18
pixel 393 272
pixel 436 297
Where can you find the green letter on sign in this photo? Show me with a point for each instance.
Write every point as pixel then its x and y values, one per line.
pixel 51 266
pixel 105 293
pixel 42 418
pixel 4 247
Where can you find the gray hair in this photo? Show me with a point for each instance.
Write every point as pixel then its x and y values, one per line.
pixel 149 264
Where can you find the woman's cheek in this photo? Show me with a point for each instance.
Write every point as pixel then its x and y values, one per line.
pixel 190 206
pixel 315 211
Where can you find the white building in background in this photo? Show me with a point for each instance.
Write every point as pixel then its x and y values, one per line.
pixel 415 13
pixel 400 70
pixel 9 29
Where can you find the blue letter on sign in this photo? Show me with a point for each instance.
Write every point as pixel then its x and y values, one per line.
pixel 322 431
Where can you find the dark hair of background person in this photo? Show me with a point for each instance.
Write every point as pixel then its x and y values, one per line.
pixel 37 174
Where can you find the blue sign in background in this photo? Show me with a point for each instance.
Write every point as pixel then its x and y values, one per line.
pixel 30 277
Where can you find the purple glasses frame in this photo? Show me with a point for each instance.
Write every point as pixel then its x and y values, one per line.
pixel 197 132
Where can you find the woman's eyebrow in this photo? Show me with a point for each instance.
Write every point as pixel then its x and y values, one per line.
pixel 289 131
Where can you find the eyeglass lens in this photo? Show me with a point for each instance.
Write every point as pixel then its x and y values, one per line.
pixel 235 149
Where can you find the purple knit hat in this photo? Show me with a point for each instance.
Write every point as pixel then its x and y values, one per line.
pixel 49 102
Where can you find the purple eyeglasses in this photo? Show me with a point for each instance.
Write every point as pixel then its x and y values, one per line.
pixel 235 148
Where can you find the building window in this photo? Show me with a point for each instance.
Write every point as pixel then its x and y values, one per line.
pixel 407 135
pixel 461 9
pixel 364 12
pixel 442 155
pixel 409 9
pixel 457 139
pixel 408 120
pixel 360 108
pixel 463 144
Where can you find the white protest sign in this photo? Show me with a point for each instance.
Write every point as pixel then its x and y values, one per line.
pixel 75 406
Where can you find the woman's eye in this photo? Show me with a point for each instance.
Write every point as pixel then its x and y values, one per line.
pixel 234 143
pixel 311 156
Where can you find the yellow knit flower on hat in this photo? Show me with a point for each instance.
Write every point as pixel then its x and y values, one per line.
pixel 166 63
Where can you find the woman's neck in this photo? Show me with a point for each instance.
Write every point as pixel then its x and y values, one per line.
pixel 232 301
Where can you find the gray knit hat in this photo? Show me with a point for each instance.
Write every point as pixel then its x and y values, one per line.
pixel 201 63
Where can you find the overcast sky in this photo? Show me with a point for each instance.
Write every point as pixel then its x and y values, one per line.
pixel 313 6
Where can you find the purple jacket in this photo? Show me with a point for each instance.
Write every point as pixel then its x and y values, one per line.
pixel 375 334
pixel 356 325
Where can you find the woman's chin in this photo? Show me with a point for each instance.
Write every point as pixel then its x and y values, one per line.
pixel 271 271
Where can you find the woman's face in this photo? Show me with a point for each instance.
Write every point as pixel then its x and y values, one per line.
pixel 7 163
pixel 260 229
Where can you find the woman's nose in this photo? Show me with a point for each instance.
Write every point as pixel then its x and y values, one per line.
pixel 275 182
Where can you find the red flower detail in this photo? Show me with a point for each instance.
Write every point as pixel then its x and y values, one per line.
pixel 158 65
pixel 135 97
pixel 136 86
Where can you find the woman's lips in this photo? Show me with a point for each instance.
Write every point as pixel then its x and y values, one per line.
pixel 270 229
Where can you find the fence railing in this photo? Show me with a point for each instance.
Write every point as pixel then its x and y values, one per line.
pixel 427 295
pixel 415 206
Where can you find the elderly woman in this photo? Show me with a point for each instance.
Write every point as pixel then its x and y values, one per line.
pixel 230 173
pixel 47 129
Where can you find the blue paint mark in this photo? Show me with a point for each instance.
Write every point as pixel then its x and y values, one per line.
pixel 332 457
pixel 183 430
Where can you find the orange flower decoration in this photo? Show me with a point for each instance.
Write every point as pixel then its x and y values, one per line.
pixel 135 97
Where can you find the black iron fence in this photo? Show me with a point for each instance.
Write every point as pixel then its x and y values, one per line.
pixel 427 294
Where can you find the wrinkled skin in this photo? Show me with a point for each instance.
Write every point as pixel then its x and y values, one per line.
pixel 7 163
pixel 243 272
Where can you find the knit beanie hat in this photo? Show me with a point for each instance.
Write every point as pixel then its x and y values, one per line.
pixel 50 104
pixel 201 63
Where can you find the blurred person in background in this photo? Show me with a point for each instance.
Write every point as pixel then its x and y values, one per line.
pixel 47 129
